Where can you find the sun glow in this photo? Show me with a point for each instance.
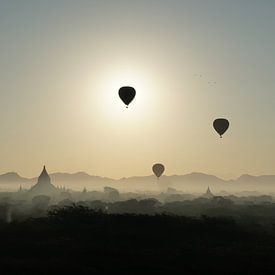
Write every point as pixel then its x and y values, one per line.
pixel 107 98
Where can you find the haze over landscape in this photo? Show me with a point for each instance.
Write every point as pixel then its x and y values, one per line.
pixel 193 182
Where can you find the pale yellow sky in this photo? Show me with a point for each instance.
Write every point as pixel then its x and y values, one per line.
pixel 63 62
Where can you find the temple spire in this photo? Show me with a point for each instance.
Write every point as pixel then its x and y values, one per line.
pixel 44 176
pixel 208 193
pixel 43 185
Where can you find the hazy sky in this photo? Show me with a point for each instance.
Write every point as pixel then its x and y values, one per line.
pixel 62 62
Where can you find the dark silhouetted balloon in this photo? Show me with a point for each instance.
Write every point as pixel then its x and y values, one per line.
pixel 158 169
pixel 127 94
pixel 221 125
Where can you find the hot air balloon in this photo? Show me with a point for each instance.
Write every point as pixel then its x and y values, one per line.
pixel 158 169
pixel 221 125
pixel 127 94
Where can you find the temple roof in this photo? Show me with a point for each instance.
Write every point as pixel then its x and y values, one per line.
pixel 208 193
pixel 43 185
pixel 44 176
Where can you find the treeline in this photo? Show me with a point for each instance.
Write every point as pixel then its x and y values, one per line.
pixel 259 209
pixel 80 240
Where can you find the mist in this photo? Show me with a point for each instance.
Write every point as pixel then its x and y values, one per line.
pixel 23 198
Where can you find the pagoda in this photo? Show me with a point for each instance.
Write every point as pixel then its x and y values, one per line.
pixel 208 194
pixel 43 185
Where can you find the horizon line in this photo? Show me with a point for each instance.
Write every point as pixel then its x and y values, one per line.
pixel 136 176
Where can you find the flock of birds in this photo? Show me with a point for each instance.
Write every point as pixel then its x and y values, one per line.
pixel 127 94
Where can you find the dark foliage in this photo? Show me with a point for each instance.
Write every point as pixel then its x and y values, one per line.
pixel 80 240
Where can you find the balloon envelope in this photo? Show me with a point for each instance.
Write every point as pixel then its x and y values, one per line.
pixel 127 94
pixel 158 169
pixel 221 125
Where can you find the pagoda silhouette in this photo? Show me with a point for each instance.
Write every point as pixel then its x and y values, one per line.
pixel 208 194
pixel 43 185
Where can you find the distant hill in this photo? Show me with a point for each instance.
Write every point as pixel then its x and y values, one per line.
pixel 12 177
pixel 77 177
pixel 188 181
pixel 197 177
pixel 264 179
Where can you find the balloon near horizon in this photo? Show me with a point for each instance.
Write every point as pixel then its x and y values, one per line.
pixel 158 169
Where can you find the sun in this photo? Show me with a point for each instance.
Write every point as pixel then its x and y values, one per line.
pixel 105 93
